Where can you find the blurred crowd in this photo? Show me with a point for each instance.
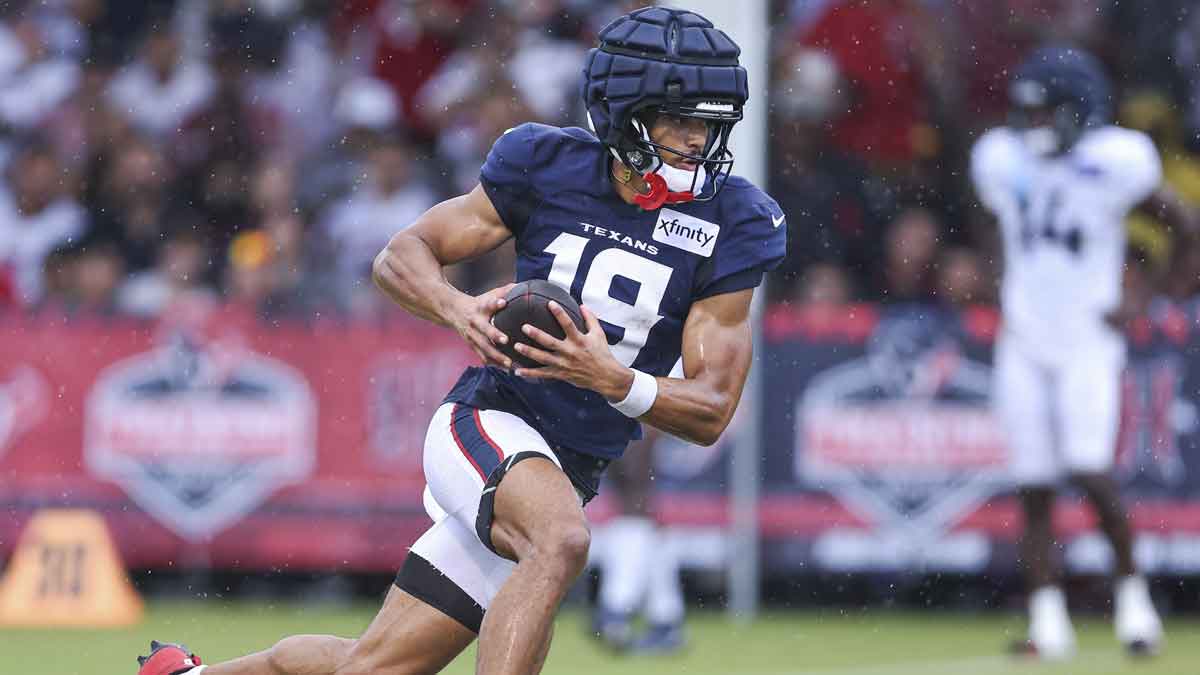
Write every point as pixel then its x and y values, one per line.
pixel 877 103
pixel 164 151
pixel 261 152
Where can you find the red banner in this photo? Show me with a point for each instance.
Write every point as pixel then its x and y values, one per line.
pixel 217 439
pixel 221 440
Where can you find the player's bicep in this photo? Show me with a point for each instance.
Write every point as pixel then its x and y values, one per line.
pixel 461 228
pixel 717 344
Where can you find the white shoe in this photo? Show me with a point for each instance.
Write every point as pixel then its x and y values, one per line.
pixel 1051 635
pixel 1136 621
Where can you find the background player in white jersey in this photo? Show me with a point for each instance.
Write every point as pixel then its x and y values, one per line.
pixel 1061 179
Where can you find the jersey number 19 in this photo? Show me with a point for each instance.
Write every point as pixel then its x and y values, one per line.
pixel 635 319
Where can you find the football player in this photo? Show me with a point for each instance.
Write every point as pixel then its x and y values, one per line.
pixel 1060 179
pixel 644 224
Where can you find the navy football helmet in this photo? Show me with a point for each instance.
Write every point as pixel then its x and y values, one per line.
pixel 665 61
pixel 1057 94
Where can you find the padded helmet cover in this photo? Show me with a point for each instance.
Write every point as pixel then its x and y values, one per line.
pixel 659 58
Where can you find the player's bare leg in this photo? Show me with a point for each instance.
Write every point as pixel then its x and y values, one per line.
pixel 540 524
pixel 1102 492
pixel 1050 633
pixel 1137 624
pixel 406 637
pixel 293 655
pixel 1037 540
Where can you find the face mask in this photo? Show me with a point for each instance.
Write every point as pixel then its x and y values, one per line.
pixel 1041 140
pixel 680 180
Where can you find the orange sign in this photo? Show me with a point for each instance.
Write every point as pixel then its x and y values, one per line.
pixel 66 572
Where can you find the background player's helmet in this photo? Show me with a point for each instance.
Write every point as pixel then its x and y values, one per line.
pixel 665 61
pixel 1058 93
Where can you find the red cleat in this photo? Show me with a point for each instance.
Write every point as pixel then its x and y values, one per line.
pixel 167 659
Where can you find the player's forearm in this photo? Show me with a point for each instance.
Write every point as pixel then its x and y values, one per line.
pixel 411 276
pixel 693 410
pixel 716 356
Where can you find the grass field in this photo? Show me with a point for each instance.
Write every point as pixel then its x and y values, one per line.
pixel 818 643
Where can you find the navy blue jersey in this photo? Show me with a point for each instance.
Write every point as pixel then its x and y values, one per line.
pixel 638 271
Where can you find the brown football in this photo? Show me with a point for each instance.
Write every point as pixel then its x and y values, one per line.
pixel 528 303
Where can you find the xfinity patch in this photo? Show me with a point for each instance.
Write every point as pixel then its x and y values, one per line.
pixel 686 232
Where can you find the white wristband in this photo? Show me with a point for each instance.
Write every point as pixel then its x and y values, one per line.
pixel 641 395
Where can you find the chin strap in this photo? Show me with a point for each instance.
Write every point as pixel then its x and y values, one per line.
pixel 657 194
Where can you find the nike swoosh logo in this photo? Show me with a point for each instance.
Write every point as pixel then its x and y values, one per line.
pixel 491 489
pixel 778 221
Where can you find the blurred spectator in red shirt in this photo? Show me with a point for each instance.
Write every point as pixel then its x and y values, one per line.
pixel 877 47
pixel 835 208
pixel 989 39
pixel 407 41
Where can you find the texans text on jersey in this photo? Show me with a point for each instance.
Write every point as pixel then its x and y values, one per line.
pixel 636 244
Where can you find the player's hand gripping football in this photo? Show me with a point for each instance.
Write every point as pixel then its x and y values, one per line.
pixel 472 318
pixel 583 359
